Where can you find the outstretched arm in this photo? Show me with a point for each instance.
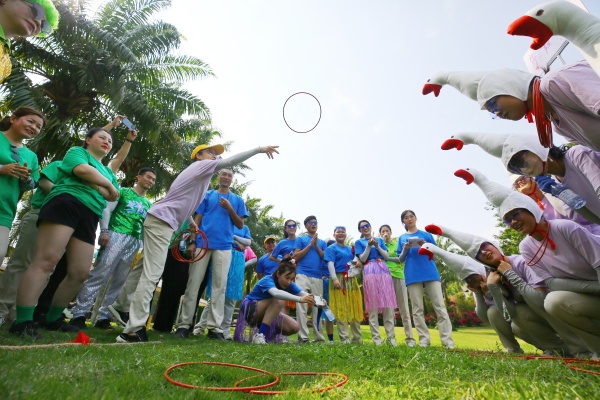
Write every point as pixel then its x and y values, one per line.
pixel 243 156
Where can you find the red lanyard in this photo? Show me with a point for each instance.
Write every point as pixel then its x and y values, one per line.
pixel 543 246
pixel 544 128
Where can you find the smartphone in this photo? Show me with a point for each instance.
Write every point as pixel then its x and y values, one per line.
pixel 319 301
pixel 414 242
pixel 128 124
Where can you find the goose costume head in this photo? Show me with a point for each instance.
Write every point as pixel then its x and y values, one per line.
pixel 502 146
pixel 483 86
pixel 467 242
pixel 500 196
pixel 463 266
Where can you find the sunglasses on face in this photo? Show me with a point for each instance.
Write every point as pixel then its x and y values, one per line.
pixel 510 217
pixel 343 228
pixel 38 13
pixel 291 226
pixel 493 107
pixel 15 153
pixel 312 223
pixel 365 226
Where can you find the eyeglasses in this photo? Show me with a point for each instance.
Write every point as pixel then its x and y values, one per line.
pixel 518 163
pixel 340 227
pixel 493 107
pixel 38 13
pixel 510 217
pixel 291 226
pixel 15 153
pixel 365 226
pixel 521 181
pixel 312 223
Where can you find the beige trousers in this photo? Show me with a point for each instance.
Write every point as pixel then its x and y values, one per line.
pixel 314 286
pixel 434 290
pixel 402 301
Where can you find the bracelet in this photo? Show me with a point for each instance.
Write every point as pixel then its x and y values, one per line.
pixel 130 141
pixel 103 230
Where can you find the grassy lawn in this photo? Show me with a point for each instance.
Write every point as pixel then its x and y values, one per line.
pixel 476 369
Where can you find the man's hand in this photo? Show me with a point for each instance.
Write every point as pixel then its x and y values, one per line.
pixel 103 239
pixel 269 150
pixel 223 202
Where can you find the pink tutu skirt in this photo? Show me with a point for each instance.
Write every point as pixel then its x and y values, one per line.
pixel 378 287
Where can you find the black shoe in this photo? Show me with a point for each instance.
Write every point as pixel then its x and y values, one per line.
pixel 124 316
pixel 79 322
pixel 215 335
pixel 104 324
pixel 182 333
pixel 135 337
pixel 26 329
pixel 59 326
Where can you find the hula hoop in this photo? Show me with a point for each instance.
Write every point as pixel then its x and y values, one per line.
pixel 320 112
pixel 221 389
pixel 199 256
pixel 321 390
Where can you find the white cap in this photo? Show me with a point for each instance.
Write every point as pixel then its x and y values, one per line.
pixel 503 197
pixel 463 266
pixel 468 243
pixel 504 146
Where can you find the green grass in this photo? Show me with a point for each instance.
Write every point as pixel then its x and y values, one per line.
pixel 476 369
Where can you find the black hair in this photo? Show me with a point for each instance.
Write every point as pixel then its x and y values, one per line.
pixel 285 234
pixel 285 266
pixel 557 153
pixel 309 218
pixel 404 214
pixel 385 226
pixel 90 134
pixel 20 112
pixel 146 169
pixel 362 220
pixel 330 242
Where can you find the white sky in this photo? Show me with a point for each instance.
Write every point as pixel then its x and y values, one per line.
pixel 376 150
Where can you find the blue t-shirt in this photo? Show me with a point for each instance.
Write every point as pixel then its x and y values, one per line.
pixel 310 264
pixel 265 266
pixel 283 248
pixel 244 233
pixel 340 255
pixel 261 289
pixel 418 268
pixel 216 223
pixel 361 244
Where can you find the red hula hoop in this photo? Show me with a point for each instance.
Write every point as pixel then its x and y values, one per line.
pixel 321 390
pixel 200 251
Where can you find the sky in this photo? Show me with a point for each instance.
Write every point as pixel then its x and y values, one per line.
pixel 376 149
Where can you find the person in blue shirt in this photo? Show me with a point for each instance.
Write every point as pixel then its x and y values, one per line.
pixel 378 286
pixel 345 298
pixel 265 265
pixel 421 274
pixel 262 307
pixel 288 244
pixel 308 253
pixel 216 216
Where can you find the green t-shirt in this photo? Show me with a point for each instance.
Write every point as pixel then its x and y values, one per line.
pixel 9 185
pixel 50 173
pixel 396 269
pixel 71 184
pixel 129 214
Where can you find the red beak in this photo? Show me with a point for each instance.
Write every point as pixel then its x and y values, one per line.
pixel 529 26
pixel 424 252
pixel 466 175
pixel 433 229
pixel 453 144
pixel 432 87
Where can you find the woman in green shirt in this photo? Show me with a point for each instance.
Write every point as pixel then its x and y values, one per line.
pixel 67 222
pixel 397 271
pixel 18 165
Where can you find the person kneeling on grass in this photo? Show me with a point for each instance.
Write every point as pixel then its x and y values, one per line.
pixel 261 309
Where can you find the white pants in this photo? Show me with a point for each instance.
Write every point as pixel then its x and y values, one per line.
pixel 157 236
pixel 314 286
pixel 434 290
pixel 580 311
pixel 124 299
pixel 221 260
pixel 402 301
pixel 227 317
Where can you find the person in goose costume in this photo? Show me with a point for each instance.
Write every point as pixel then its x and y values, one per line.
pixel 578 167
pixel 566 99
pixel 554 249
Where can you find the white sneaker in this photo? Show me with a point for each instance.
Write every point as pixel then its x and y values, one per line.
pixel 411 344
pixel 198 331
pixel 259 338
pixel 449 346
pixel 330 342
pixel 390 342
pixel 2 319
pixel 346 341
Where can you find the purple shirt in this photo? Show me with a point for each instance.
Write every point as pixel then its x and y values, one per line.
pixel 576 255
pixel 525 272
pixel 582 175
pixel 574 93
pixel 185 193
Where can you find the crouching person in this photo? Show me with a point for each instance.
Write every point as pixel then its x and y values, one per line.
pixel 261 318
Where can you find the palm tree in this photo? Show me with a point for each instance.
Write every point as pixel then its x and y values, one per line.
pixel 119 61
